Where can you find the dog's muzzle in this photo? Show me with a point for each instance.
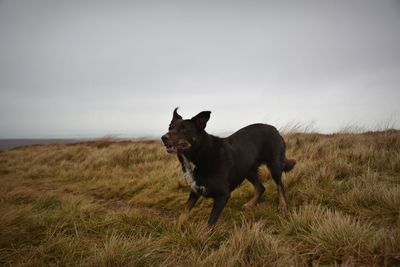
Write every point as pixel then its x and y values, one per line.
pixel 174 147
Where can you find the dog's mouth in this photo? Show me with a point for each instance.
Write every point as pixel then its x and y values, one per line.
pixel 171 149
pixel 181 145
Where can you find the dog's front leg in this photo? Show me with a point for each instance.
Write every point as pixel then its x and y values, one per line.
pixel 193 197
pixel 219 205
pixel 184 216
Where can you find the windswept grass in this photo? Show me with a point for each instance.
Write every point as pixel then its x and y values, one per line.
pixel 119 203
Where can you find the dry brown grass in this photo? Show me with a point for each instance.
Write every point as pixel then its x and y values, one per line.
pixel 109 203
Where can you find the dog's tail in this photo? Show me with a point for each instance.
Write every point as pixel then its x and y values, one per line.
pixel 288 165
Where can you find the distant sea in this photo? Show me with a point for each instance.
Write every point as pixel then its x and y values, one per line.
pixel 6 144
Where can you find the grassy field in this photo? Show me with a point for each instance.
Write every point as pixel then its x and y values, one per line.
pixel 108 203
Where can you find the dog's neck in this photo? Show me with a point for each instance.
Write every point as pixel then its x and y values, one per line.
pixel 200 151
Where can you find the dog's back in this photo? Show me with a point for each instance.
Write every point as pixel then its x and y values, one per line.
pixel 257 144
pixel 252 146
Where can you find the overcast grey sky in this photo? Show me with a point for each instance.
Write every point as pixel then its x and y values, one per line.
pixel 95 68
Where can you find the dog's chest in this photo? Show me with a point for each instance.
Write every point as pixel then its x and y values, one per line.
pixel 188 173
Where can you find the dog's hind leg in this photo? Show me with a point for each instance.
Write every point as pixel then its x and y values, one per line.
pixel 276 173
pixel 259 190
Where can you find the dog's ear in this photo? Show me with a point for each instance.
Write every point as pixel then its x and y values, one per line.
pixel 200 120
pixel 176 116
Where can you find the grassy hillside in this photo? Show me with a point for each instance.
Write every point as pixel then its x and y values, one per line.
pixel 111 203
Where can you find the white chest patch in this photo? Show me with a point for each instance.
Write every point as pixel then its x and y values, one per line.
pixel 188 174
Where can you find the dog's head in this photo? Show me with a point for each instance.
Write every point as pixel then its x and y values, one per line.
pixel 184 134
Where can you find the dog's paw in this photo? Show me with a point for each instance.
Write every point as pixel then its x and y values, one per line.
pixel 282 209
pixel 183 218
pixel 247 206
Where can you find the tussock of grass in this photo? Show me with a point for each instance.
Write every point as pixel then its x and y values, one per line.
pixel 328 236
pixel 119 203
pixel 120 250
pixel 251 244
pixel 373 199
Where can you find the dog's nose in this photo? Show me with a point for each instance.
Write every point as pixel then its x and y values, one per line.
pixel 165 138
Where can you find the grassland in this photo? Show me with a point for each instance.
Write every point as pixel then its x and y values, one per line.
pixel 108 203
